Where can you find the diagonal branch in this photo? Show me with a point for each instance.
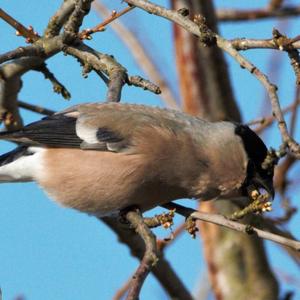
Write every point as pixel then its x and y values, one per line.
pixel 140 54
pixel 222 221
pixel 150 257
pixel 236 15
pixel 29 34
pixel 58 20
pixel 163 270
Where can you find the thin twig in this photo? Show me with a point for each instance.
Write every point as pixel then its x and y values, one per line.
pixel 150 257
pixel 283 43
pixel 163 270
pixel 140 54
pixel 36 108
pixel 86 33
pixel 235 15
pixel 242 44
pixel 58 87
pixel 144 84
pixel 30 35
pixel 222 221
pixel 265 122
pixel 295 111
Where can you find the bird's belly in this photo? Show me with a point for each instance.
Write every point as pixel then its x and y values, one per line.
pixel 102 183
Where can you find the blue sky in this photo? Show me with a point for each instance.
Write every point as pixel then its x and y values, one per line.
pixel 49 252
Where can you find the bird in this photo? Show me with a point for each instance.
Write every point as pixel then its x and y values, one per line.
pixel 102 158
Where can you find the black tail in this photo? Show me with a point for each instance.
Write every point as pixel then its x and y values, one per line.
pixel 13 155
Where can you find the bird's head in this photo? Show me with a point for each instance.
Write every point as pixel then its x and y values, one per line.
pixel 258 178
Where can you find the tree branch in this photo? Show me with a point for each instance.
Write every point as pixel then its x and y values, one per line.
pixel 140 54
pixel 236 15
pixel 222 221
pixel 58 20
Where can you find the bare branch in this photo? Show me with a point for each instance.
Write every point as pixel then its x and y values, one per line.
pixel 222 221
pixel 144 84
pixel 140 54
pixel 30 35
pixel 72 26
pixel 163 271
pixel 150 257
pixel 32 50
pixel 58 87
pixel 86 33
pixel 246 44
pixel 59 19
pixel 117 80
pixel 36 108
pixel 283 43
pixel 236 15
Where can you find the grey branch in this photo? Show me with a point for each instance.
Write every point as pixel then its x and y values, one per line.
pixel 58 87
pixel 59 18
pixel 232 15
pixel 36 108
pixel 222 221
pixel 150 257
pixel 72 26
pixel 163 270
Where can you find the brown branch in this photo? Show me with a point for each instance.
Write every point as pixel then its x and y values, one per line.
pixel 246 44
pixel 150 257
pixel 163 271
pixel 86 33
pixel 59 18
pixel 140 54
pixel 32 50
pixel 58 87
pixel 268 120
pixel 72 26
pixel 274 4
pixel 108 65
pixel 222 221
pixel 30 35
pixel 235 15
pixel 144 84
pixel 36 108
pixel 284 43
pixel 295 111
pixel 117 80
